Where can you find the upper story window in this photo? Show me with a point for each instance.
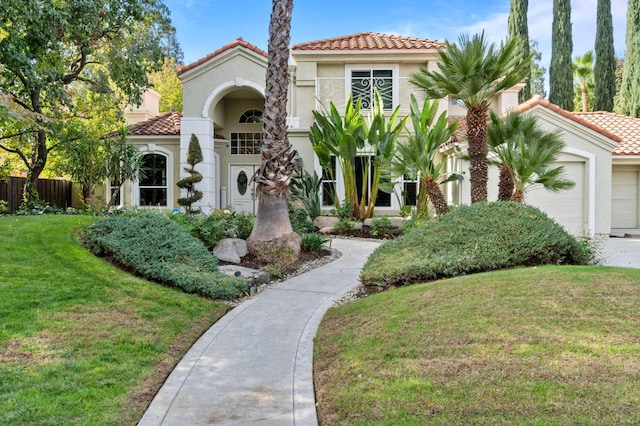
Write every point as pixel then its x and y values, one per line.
pixel 363 83
pixel 251 116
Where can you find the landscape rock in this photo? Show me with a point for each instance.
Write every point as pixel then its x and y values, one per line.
pixel 252 276
pixel 230 250
pixel 322 222
pixel 326 230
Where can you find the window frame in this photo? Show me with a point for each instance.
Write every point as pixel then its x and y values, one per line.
pixel 152 148
pixel 395 73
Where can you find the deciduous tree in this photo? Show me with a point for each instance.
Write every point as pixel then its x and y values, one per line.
pixel 46 46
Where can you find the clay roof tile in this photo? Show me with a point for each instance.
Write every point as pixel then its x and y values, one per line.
pixel 167 124
pixel 369 41
pixel 627 128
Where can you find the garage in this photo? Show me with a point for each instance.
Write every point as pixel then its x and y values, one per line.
pixel 568 208
pixel 624 200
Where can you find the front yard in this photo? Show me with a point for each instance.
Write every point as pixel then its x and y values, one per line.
pixel 82 342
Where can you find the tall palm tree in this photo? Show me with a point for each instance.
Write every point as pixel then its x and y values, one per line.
pixel 416 157
pixel 583 72
pixel 272 230
pixel 474 71
pixel 527 152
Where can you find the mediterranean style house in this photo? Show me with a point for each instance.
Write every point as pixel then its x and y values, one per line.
pixel 224 100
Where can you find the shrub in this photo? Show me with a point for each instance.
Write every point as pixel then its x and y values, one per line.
pixel 313 242
pixel 305 193
pixel 470 239
pixel 285 260
pixel 380 226
pixel 218 225
pixel 343 226
pixel 300 221
pixel 156 248
pixel 343 211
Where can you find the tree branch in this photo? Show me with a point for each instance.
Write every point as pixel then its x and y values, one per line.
pixel 17 152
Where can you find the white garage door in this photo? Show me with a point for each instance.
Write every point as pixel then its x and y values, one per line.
pixel 568 208
pixel 624 202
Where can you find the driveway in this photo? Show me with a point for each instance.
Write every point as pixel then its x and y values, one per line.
pixel 621 252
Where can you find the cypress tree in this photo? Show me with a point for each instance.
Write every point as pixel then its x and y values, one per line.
pixel 519 29
pixel 194 156
pixel 628 100
pixel 604 69
pixel 561 68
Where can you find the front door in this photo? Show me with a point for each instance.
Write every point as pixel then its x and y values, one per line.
pixel 242 187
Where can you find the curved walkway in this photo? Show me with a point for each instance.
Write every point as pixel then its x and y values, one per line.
pixel 255 364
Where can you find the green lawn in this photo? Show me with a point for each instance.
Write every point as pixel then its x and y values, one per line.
pixel 529 346
pixel 80 341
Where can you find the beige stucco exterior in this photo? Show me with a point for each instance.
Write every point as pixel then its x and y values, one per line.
pixel 219 89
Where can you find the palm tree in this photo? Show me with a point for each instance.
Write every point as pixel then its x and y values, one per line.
pixel 416 157
pixel 583 72
pixel 272 232
pixel 474 71
pixel 527 153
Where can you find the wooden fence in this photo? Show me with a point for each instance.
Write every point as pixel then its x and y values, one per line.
pixel 52 191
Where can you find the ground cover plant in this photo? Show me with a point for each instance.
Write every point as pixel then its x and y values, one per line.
pixel 471 239
pixel 157 248
pixel 82 342
pixel 541 345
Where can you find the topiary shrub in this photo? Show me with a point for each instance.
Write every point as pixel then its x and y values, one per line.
pixel 159 249
pixel 477 238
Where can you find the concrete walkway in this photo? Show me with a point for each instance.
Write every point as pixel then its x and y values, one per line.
pixel 255 364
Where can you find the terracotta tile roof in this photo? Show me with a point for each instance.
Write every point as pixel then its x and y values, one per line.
pixel 537 100
pixel 167 124
pixel 628 128
pixel 237 42
pixel 370 41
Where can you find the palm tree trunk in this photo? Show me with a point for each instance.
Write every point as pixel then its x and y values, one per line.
pixel 478 166
pixel 585 99
pixel 436 196
pixel 272 230
pixel 518 196
pixel 506 185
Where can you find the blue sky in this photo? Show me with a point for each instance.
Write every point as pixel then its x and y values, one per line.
pixel 205 25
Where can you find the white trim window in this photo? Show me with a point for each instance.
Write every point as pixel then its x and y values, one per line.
pixel 153 184
pixel 363 81
pixel 246 143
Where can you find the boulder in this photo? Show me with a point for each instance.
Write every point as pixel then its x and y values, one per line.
pixel 230 250
pixel 322 222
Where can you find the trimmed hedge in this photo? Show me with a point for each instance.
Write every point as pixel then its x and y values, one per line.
pixel 471 239
pixel 159 249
